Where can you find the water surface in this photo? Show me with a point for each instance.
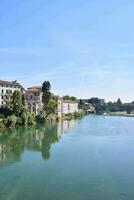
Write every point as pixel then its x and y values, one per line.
pixel 91 158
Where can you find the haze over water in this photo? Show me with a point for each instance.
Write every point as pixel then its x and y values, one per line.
pixel 91 158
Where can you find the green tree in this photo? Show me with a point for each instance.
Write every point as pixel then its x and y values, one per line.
pixel 49 102
pixel 11 121
pixel 73 98
pixel 51 107
pixel 46 87
pixel 67 97
pixel 119 102
pixel 17 102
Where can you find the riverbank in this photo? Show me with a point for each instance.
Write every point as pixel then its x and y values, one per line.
pixel 123 114
pixel 39 119
pixel 74 115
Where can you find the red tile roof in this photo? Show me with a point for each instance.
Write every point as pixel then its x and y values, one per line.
pixel 10 83
pixel 34 89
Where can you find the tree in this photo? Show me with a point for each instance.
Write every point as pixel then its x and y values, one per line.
pixel 119 102
pixel 49 102
pixel 11 121
pixel 51 107
pixel 73 98
pixel 67 97
pixel 46 87
pixel 17 102
pixel 94 101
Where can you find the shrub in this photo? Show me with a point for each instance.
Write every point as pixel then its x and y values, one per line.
pixel 6 112
pixel 79 114
pixel 24 118
pixel 31 119
pixel 19 121
pixel 11 121
pixel 2 116
pixel 40 119
pixel 2 125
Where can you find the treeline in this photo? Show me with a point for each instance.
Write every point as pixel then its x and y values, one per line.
pixel 119 107
pixel 70 98
pixel 102 107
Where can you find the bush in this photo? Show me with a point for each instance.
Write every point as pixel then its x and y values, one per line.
pixel 24 118
pixel 40 119
pixel 11 121
pixel 2 125
pixel 31 119
pixel 79 114
pixel 2 116
pixel 6 112
pixel 19 121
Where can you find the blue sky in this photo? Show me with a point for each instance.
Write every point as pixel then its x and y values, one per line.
pixel 84 48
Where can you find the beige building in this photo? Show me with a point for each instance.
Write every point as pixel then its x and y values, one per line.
pixel 33 99
pixel 66 107
pixel 6 90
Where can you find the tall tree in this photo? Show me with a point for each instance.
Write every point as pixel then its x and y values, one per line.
pixel 46 87
pixel 119 102
pixel 49 102
pixel 17 102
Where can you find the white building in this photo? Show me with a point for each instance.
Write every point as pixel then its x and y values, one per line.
pixel 66 107
pixel 33 99
pixel 6 90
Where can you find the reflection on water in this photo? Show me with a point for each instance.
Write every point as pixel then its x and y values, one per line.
pixel 36 138
pixel 94 160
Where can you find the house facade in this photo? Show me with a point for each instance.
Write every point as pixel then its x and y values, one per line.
pixel 66 107
pixel 7 88
pixel 33 99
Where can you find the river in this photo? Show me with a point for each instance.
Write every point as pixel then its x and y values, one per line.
pixel 87 159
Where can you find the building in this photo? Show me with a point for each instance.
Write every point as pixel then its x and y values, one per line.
pixel 33 99
pixel 89 108
pixel 66 107
pixel 6 90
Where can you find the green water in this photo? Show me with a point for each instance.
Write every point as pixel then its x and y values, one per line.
pixel 87 159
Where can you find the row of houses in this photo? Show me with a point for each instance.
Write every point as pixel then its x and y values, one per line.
pixel 33 98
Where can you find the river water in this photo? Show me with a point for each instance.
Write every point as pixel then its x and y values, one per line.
pixel 87 159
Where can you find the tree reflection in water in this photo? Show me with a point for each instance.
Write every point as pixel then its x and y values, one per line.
pixel 37 138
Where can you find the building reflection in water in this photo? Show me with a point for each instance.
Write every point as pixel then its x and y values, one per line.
pixel 37 138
